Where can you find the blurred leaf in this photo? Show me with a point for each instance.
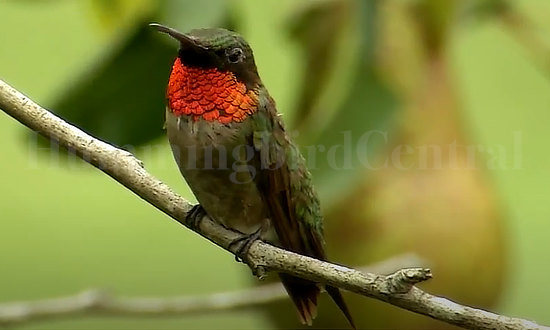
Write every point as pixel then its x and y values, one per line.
pixel 482 9
pixel 400 52
pixel 519 22
pixel 122 99
pixel 369 110
pixel 435 19
pixel 368 106
pixel 532 35
pixel 320 29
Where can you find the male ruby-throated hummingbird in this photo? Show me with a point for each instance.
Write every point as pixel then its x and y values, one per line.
pixel 232 149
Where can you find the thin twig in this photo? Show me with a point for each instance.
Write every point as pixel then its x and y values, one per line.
pixel 99 302
pixel 397 289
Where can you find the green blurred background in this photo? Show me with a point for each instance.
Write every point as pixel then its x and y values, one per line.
pixel 427 72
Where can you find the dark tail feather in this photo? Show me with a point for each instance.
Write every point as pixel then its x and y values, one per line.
pixel 304 295
pixel 336 295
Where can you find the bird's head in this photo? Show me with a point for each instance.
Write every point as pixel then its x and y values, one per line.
pixel 214 76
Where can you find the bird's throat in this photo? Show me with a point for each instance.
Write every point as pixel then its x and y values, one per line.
pixel 209 94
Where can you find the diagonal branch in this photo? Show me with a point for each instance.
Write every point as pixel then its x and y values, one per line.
pixel 397 289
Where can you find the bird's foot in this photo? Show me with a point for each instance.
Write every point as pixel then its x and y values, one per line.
pixel 194 217
pixel 244 243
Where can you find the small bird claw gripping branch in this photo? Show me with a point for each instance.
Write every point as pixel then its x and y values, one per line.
pixel 397 289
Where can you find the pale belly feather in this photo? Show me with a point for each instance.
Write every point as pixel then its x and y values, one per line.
pixel 212 158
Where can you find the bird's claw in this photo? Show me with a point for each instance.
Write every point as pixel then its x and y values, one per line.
pixel 244 242
pixel 194 217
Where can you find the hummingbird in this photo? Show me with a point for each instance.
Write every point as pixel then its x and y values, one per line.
pixel 231 147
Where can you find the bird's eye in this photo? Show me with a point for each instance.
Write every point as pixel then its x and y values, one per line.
pixel 235 55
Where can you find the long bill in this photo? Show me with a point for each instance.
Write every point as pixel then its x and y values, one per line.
pixel 181 37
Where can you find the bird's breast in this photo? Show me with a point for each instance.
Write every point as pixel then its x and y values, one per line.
pixel 214 159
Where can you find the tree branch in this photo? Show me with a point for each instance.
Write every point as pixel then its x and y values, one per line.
pixel 397 289
pixel 99 302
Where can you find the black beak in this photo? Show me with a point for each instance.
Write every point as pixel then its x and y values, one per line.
pixel 184 39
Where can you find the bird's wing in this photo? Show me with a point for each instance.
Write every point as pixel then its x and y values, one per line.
pixel 286 187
